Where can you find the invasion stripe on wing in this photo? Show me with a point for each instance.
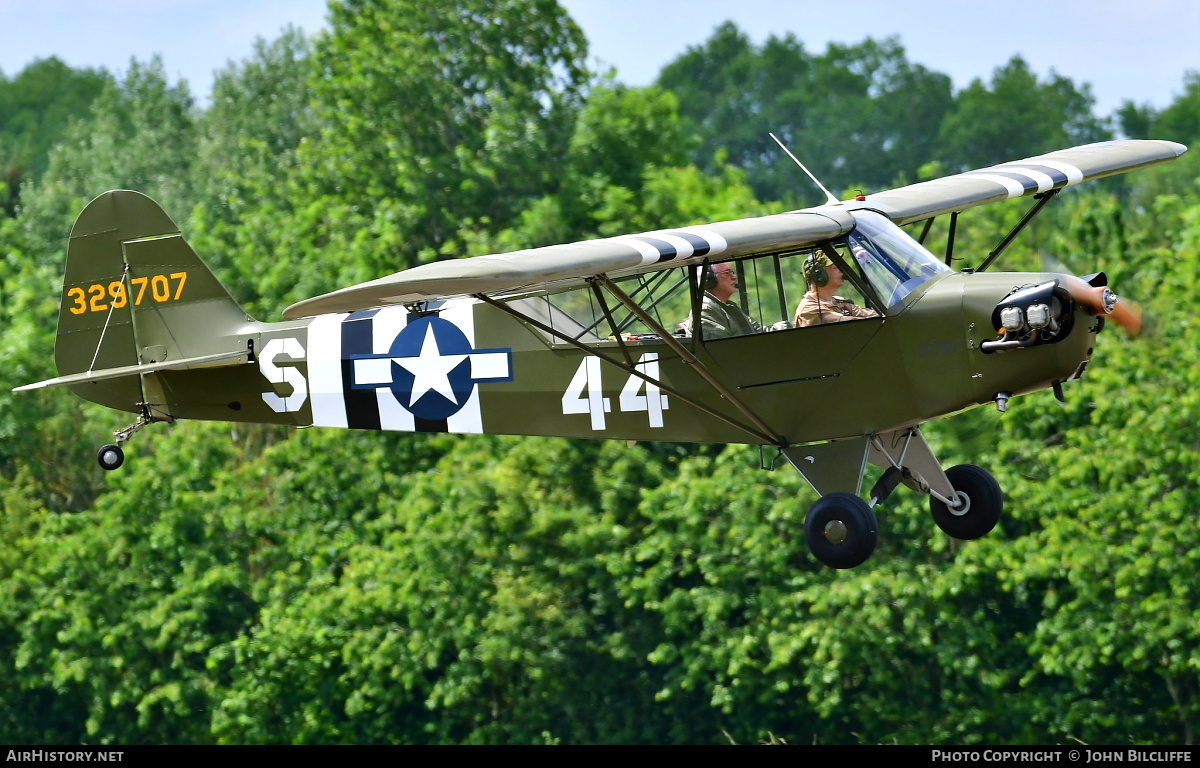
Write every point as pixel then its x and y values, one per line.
pixel 1018 179
pixel 668 246
pixel 649 253
pixel 1014 187
pixel 1073 174
pixel 1057 176
pixel 716 243
pixel 656 247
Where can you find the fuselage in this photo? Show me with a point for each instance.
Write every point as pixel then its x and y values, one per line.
pixel 470 367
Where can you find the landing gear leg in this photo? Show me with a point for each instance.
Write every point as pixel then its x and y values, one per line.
pixel 965 500
pixel 112 456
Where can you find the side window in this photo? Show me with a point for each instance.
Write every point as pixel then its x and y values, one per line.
pixel 752 295
pixel 761 292
pixel 768 293
pixel 830 294
pixel 577 312
pixel 745 297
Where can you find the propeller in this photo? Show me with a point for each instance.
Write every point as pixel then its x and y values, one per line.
pixel 1093 292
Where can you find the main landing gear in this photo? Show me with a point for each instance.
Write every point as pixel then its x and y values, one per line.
pixel 978 503
pixel 841 529
pixel 111 456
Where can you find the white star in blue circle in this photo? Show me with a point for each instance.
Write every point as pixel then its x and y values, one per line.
pixel 431 368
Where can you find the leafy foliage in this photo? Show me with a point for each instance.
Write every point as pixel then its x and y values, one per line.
pixel 1017 116
pixel 831 110
pixel 36 106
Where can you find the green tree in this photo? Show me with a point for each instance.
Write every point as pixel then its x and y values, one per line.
pixel 1016 116
pixel 1180 121
pixel 433 119
pixel 469 604
pixel 457 111
pixel 833 110
pixel 139 134
pixel 248 146
pixel 113 612
pixel 623 137
pixel 36 107
pixel 1177 122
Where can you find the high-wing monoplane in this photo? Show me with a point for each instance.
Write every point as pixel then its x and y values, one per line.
pixel 608 338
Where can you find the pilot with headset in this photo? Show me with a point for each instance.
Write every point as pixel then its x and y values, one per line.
pixel 720 317
pixel 821 304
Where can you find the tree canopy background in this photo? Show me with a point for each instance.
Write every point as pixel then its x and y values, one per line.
pixel 252 585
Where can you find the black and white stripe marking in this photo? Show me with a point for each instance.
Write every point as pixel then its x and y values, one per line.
pixel 1023 178
pixel 667 245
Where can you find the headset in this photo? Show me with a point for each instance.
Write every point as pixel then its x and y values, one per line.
pixel 710 278
pixel 815 269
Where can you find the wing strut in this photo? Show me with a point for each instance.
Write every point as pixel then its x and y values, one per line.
pixel 950 239
pixel 925 230
pixel 1042 199
pixel 612 323
pixel 763 435
pixel 687 357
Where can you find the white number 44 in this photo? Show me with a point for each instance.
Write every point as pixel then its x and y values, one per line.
pixel 585 394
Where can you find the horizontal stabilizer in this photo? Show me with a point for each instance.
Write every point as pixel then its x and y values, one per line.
pixel 204 361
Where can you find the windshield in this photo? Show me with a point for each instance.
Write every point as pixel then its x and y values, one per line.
pixel 892 261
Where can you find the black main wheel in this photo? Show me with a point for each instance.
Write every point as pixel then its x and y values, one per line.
pixel 110 457
pixel 980 503
pixel 841 530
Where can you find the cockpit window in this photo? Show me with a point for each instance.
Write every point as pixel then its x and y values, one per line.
pixel 892 261
pixel 769 288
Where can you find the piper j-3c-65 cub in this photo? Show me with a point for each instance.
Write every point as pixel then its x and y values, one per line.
pixel 615 338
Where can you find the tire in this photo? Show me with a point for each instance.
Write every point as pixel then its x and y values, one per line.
pixel 983 499
pixel 110 457
pixel 841 530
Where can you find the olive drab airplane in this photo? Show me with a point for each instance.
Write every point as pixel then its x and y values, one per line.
pixel 611 338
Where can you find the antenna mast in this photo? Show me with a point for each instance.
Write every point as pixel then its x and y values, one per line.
pixel 828 195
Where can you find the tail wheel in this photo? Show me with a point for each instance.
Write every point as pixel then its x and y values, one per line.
pixel 841 530
pixel 980 503
pixel 110 457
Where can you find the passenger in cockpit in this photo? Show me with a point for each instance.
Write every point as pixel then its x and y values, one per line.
pixel 720 317
pixel 821 304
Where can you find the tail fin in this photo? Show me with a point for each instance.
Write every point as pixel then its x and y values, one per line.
pixel 135 294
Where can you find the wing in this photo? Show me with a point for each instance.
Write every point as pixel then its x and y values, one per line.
pixel 560 266
pixel 1019 178
pixel 556 266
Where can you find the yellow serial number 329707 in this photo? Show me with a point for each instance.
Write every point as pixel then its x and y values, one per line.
pixel 98 297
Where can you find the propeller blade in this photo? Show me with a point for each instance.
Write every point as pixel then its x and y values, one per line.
pixel 1103 301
